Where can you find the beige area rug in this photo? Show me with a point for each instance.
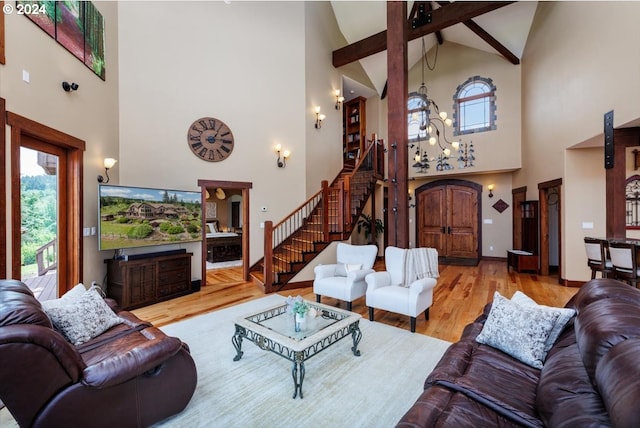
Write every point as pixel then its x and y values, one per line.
pixel 340 389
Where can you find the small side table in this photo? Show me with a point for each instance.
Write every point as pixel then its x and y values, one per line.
pixel 521 260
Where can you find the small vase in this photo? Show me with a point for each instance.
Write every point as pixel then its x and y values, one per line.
pixel 300 322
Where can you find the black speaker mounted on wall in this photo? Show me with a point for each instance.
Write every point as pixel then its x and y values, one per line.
pixel 608 140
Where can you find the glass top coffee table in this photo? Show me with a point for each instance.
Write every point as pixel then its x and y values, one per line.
pixel 273 329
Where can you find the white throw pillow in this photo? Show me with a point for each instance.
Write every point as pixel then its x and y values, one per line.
pixel 564 315
pixel 519 331
pixel 68 298
pixel 212 227
pixel 85 319
pixel 353 267
pixel 341 269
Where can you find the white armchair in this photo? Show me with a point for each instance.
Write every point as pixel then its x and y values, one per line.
pixel 398 290
pixel 345 280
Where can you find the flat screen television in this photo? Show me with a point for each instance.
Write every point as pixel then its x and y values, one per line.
pixel 140 217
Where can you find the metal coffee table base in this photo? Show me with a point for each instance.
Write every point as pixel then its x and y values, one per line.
pixel 297 357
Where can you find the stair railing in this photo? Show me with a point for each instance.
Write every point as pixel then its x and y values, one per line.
pixel 333 210
pixel 368 169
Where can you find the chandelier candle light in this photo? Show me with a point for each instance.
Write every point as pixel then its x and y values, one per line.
pixel 433 127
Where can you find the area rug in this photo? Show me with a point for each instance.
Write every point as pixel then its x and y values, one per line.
pixel 340 389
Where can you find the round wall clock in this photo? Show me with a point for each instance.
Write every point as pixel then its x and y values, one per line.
pixel 210 139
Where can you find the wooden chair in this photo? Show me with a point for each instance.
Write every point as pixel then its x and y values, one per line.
pixel 625 264
pixel 598 258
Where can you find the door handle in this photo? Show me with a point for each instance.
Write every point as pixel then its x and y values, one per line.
pixel 443 230
pixel 449 230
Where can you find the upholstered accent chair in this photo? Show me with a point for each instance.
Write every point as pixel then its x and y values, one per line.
pixel 397 290
pixel 345 279
pixel 598 258
pixel 625 262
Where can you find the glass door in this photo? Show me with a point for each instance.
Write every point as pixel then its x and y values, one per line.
pixel 39 194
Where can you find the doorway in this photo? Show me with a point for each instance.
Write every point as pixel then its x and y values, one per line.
pixel 226 205
pixel 67 151
pixel 550 230
pixel 39 190
pixel 448 214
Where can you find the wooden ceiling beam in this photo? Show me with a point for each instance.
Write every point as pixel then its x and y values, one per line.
pixel 491 41
pixel 446 16
pixel 499 47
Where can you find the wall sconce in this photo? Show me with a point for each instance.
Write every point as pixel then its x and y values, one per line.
pixel 339 99
pixel 108 164
pixel 282 161
pixel 68 87
pixel 319 118
pixel 490 187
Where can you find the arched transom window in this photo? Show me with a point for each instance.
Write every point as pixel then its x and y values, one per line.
pixel 475 106
pixel 417 115
pixel 632 196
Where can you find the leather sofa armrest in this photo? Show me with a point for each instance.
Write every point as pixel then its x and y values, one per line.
pixel 128 364
pixel 64 353
pixel 113 304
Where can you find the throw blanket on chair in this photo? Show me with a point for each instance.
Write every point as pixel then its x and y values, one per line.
pixel 420 263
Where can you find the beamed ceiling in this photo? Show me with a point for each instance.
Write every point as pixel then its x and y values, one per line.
pixel 500 28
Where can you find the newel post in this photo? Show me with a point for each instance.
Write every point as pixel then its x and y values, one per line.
pixel 325 210
pixel 268 256
pixel 346 196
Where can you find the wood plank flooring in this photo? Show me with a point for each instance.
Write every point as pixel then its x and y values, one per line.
pixel 459 297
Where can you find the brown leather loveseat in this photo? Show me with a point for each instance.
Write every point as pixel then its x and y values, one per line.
pixel 590 377
pixel 131 375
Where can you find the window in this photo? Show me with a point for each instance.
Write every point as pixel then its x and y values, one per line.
pixel 416 116
pixel 632 196
pixel 475 107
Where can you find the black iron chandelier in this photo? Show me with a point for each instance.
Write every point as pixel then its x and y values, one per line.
pixel 433 130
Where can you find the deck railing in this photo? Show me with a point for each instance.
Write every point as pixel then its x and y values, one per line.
pixel 47 257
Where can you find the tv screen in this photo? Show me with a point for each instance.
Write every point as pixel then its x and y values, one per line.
pixel 140 217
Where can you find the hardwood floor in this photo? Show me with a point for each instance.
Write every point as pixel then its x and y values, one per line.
pixel 459 297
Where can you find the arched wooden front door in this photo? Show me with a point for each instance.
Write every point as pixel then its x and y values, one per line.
pixel 448 214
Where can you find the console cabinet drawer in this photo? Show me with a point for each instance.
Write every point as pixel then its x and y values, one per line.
pixel 148 279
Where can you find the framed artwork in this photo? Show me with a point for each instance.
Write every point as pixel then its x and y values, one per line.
pixel 76 25
pixel 2 59
pixel 212 210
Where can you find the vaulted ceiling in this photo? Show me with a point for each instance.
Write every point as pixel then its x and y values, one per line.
pixel 501 28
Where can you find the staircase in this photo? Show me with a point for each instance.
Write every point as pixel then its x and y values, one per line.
pixel 329 215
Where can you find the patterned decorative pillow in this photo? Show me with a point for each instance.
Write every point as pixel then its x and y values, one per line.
pixel 85 319
pixel 519 331
pixel 68 298
pixel 564 315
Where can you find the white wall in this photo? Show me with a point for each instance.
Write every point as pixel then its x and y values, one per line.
pixel 572 74
pixel 323 156
pixel 238 62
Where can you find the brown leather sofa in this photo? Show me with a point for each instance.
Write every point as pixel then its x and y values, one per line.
pixel 132 375
pixel 591 376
